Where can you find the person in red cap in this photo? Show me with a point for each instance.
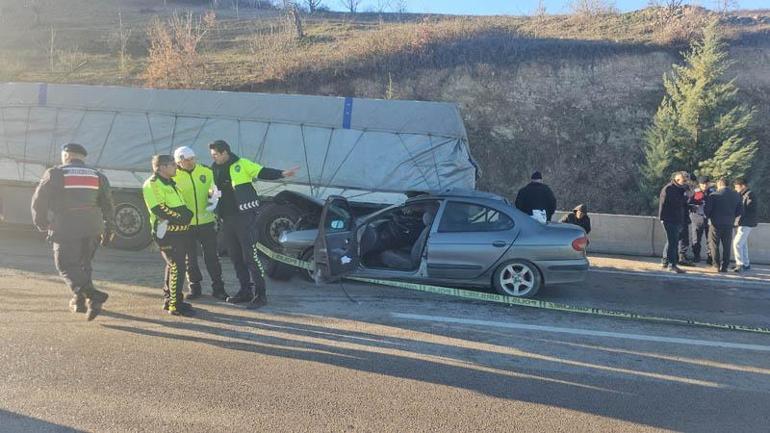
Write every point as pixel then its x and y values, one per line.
pixel 79 200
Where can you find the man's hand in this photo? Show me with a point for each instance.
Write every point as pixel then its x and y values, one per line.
pixel 290 172
pixel 106 237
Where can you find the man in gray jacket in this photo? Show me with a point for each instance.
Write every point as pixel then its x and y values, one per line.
pixel 73 204
pixel 722 207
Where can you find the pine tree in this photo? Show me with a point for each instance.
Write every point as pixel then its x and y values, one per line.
pixel 700 125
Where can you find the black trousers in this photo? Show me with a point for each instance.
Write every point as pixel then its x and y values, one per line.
pixel 721 236
pixel 701 237
pixel 672 240
pixel 204 236
pixel 73 261
pixel 684 242
pixel 240 236
pixel 173 249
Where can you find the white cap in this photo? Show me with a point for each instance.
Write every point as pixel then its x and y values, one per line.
pixel 183 152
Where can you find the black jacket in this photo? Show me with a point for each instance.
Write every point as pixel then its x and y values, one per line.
pixel 228 205
pixel 536 195
pixel 78 199
pixel 748 217
pixel 673 204
pixel 722 207
pixel 585 222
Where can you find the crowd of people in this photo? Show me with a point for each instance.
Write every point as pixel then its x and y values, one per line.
pixel 73 204
pixel 188 202
pixel 692 209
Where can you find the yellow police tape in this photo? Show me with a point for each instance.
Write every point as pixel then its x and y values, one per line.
pixel 511 300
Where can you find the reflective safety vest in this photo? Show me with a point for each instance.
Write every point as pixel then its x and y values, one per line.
pixel 194 186
pixel 242 174
pixel 164 201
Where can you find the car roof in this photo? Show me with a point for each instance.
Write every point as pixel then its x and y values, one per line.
pixel 456 193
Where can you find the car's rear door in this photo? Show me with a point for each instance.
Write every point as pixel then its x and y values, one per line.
pixel 336 247
pixel 469 239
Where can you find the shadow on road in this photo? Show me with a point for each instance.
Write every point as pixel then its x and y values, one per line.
pixel 14 423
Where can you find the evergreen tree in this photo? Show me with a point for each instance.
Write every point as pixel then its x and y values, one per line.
pixel 700 125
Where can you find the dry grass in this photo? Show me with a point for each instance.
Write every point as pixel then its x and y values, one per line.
pixel 262 47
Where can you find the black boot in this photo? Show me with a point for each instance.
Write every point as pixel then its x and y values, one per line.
pixel 94 301
pixel 219 293
pixel 195 292
pixel 258 301
pixel 78 303
pixel 243 295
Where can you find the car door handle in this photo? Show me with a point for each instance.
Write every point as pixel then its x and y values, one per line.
pixel 499 244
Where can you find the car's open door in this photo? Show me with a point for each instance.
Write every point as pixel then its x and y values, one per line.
pixel 336 248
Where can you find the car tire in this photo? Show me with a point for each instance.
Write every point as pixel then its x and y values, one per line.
pixel 518 278
pixel 132 222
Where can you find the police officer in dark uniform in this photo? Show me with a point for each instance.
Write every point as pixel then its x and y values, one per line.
pixel 237 208
pixel 73 204
pixel 170 224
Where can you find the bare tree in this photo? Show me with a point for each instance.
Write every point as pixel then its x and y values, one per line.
pixel 400 7
pixel 36 7
pixel 313 5
pixel 668 4
pixel 295 19
pixel 174 59
pixel 540 10
pixel 725 6
pixel 592 8
pixel 351 5
pixel 124 33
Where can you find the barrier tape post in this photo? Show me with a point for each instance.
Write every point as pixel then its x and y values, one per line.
pixel 511 300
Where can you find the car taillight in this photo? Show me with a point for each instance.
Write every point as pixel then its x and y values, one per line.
pixel 580 244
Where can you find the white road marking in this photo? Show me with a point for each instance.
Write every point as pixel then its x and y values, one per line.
pixel 585 332
pixel 722 279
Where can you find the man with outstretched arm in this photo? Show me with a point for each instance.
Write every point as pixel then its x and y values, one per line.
pixel 237 208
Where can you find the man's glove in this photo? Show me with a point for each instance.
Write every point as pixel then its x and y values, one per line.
pixel 106 237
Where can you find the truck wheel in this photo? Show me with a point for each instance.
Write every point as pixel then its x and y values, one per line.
pixel 274 219
pixel 132 222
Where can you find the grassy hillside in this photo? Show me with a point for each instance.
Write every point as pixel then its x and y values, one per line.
pixel 570 96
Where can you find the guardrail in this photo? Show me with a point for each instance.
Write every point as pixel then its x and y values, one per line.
pixel 644 236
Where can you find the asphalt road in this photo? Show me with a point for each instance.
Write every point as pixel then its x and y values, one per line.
pixel 375 358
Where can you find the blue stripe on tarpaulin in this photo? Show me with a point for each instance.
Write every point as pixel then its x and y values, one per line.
pixel 347 114
pixel 42 94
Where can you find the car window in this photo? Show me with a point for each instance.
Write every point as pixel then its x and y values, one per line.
pixel 338 219
pixel 467 217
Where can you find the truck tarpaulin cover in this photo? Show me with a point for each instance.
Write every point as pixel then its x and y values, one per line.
pixel 340 143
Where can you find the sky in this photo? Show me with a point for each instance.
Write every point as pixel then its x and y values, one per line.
pixel 522 7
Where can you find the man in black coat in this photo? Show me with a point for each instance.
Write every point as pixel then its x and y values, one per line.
pixel 73 204
pixel 744 223
pixel 671 212
pixel 722 207
pixel 536 196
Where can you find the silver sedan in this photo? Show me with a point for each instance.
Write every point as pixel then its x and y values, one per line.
pixel 454 238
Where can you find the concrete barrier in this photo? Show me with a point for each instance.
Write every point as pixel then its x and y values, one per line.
pixel 644 236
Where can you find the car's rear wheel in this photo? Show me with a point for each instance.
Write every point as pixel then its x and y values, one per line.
pixel 518 278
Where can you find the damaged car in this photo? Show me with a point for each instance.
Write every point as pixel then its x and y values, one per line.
pixel 458 238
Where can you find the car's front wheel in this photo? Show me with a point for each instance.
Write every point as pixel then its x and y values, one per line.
pixel 518 278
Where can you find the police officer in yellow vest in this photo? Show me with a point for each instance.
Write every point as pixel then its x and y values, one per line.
pixel 237 208
pixel 169 220
pixel 195 182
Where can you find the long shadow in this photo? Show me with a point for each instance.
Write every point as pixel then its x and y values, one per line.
pixel 15 423
pixel 578 389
